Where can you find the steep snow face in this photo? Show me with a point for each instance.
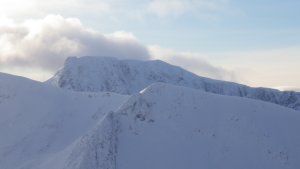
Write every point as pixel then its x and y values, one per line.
pixel 96 149
pixel 39 122
pixel 131 76
pixel 175 127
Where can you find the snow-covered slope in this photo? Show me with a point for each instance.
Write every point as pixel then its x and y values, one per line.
pixel 131 76
pixel 161 127
pixel 38 120
pixel 174 127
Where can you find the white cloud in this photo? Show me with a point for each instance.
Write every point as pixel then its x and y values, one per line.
pixel 36 8
pixel 47 42
pixel 109 9
pixel 264 68
pixel 288 88
pixel 166 7
pixel 42 46
pixel 122 35
pixel 178 7
pixel 193 62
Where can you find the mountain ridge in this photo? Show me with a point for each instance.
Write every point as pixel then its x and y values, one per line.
pixel 162 126
pixel 201 129
pixel 38 121
pixel 130 76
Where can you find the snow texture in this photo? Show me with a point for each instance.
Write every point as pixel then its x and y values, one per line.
pixel 163 126
pixel 95 74
pixel 174 127
pixel 40 123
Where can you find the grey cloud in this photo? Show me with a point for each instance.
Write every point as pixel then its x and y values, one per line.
pixel 204 68
pixel 46 43
pixel 195 63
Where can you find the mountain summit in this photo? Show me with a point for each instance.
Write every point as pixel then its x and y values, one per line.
pixel 96 74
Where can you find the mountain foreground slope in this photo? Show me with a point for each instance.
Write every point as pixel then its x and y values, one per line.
pixel 38 120
pixel 175 127
pixel 95 74
pixel 163 126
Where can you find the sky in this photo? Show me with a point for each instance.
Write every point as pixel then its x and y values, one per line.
pixel 252 42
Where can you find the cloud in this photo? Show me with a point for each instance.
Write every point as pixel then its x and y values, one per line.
pixel 113 10
pixel 179 7
pixel 193 62
pixel 264 68
pixel 165 7
pixel 288 88
pixel 36 8
pixel 38 48
pixel 47 42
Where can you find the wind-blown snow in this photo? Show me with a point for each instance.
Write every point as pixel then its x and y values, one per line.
pixel 130 76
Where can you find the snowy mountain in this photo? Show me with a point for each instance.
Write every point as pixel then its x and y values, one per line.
pixel 163 126
pixel 130 76
pixel 175 127
pixel 38 120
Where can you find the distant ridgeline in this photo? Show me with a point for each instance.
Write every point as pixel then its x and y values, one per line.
pixel 96 74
